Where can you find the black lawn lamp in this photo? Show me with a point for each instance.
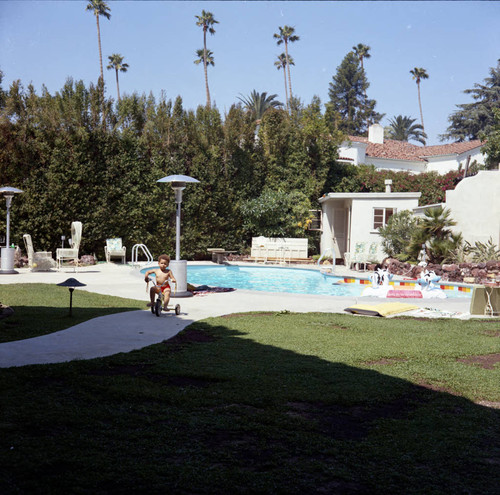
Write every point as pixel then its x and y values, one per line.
pixel 71 283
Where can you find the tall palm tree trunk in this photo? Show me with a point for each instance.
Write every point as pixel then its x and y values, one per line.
pixel 420 106
pixel 205 65
pixel 288 70
pixel 99 42
pixel 117 85
pixel 286 90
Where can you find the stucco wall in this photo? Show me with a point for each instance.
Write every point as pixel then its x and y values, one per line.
pixel 446 163
pixel 359 215
pixel 416 167
pixel 362 216
pixel 475 206
pixel 355 151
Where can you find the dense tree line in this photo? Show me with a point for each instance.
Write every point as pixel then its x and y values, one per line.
pixel 79 157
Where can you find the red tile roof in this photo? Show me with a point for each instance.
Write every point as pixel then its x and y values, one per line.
pixel 401 150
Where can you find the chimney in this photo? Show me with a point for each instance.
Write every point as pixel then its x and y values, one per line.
pixel 376 134
pixel 388 184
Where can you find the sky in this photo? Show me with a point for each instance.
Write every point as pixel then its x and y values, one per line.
pixel 45 42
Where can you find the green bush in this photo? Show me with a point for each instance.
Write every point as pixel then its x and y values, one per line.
pixel 397 234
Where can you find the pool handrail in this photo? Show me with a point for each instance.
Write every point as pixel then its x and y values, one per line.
pixel 135 254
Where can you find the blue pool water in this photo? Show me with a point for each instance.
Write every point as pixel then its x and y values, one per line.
pixel 297 281
pixel 269 279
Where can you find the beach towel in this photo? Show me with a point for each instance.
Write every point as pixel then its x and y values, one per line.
pixel 383 309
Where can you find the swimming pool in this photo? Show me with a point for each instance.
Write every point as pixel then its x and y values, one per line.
pixel 294 280
pixel 291 280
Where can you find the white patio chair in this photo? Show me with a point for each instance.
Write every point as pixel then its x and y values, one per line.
pixel 358 257
pixel 38 261
pixel 373 253
pixel 115 249
pixel 71 253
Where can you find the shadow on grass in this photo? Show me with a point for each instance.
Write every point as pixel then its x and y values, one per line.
pixel 213 410
pixel 30 321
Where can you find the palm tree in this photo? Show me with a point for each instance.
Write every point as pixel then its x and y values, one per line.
pixel 286 36
pixel 116 62
pixel 207 58
pixel 434 231
pixel 206 21
pixel 99 7
pixel 281 64
pixel 258 104
pixel 404 128
pixel 418 74
pixel 361 51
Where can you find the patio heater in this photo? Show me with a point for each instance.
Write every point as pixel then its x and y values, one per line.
pixel 7 252
pixel 178 266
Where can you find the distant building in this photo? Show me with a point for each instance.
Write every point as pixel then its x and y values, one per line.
pixel 389 154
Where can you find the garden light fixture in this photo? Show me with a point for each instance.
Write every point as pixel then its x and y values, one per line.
pixel 71 283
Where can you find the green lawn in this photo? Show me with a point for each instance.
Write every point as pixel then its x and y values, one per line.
pixel 264 403
pixel 42 308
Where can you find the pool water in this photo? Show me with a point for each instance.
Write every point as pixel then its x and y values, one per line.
pixel 291 280
pixel 297 281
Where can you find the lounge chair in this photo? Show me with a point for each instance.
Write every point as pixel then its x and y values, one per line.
pixel 115 249
pixel 39 261
pixel 71 253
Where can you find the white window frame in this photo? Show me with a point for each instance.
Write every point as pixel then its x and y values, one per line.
pixel 383 218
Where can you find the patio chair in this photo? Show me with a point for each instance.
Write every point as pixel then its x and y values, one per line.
pixel 39 261
pixel 374 253
pixel 358 257
pixel 115 249
pixel 71 253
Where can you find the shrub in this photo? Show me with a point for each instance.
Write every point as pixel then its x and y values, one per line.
pixel 397 234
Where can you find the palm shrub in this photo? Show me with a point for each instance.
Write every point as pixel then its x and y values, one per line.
pixel 396 235
pixel 440 248
pixel 434 231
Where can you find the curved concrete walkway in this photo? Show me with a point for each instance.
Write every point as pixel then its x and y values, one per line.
pixel 124 332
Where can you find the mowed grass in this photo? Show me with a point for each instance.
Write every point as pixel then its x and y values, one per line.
pixel 41 308
pixel 264 403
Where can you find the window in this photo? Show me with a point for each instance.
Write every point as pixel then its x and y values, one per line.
pixel 381 216
pixel 315 220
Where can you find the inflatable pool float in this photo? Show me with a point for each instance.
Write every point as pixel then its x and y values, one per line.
pixel 425 287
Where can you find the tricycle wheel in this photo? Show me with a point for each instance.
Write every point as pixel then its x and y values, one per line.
pixel 158 307
pixel 177 309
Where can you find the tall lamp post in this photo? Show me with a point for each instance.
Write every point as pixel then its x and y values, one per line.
pixel 7 253
pixel 179 267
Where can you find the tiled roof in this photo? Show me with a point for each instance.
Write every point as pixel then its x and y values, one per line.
pixel 401 150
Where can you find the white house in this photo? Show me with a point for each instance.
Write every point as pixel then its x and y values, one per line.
pixel 348 218
pixel 388 154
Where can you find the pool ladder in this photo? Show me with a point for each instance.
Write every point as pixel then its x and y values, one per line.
pixel 135 254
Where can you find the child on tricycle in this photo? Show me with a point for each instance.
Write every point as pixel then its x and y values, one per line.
pixel 163 276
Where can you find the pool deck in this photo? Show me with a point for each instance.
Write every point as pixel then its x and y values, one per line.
pixel 133 330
